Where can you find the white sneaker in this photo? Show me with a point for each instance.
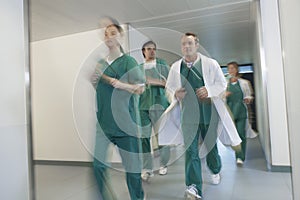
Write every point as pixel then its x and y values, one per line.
pixel 146 175
pixel 191 193
pixel 215 179
pixel 163 170
pixel 239 162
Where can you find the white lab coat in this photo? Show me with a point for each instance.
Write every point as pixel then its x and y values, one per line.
pixel 247 93
pixel 215 83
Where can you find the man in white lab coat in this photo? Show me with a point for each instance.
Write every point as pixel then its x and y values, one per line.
pixel 196 84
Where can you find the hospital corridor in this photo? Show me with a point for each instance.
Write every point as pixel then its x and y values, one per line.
pixel 149 100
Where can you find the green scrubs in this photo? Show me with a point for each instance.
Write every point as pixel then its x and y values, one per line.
pixel 192 79
pixel 153 102
pixel 117 124
pixel 235 102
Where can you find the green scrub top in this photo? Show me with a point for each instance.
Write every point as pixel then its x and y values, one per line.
pixel 155 94
pixel 235 101
pixel 111 100
pixel 188 76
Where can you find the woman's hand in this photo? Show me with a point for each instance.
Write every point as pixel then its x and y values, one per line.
pixel 116 83
pixel 233 79
pixel 247 100
pixel 132 88
pixel 138 89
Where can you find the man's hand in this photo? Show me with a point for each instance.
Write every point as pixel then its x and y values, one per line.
pixel 202 93
pixel 180 94
pixel 227 94
pixel 153 81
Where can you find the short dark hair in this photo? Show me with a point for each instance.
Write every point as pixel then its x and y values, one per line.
pixel 194 35
pixel 146 44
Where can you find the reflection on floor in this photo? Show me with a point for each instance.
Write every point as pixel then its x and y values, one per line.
pixel 252 181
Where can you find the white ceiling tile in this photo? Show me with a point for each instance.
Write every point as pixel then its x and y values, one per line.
pixel 224 26
pixel 163 7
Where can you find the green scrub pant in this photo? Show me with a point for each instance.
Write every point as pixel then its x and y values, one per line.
pixel 193 171
pixel 213 159
pixel 148 120
pixel 129 152
pixel 240 126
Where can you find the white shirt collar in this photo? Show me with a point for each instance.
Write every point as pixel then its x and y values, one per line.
pixel 190 64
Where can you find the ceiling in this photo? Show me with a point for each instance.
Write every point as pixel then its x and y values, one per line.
pixel 225 27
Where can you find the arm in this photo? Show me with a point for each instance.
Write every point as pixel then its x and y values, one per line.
pixel 248 91
pixel 180 94
pixel 134 79
pixel 162 70
pixel 216 82
pixel 96 75
pixel 171 83
pixel 132 88
pixel 155 82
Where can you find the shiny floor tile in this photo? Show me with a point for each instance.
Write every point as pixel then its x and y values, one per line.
pixel 252 181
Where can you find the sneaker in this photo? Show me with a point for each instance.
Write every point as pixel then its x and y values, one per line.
pixel 146 175
pixel 215 179
pixel 191 193
pixel 239 162
pixel 163 170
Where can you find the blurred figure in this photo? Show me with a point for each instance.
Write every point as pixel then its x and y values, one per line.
pixel 152 104
pixel 197 85
pixel 238 95
pixel 103 23
pixel 120 81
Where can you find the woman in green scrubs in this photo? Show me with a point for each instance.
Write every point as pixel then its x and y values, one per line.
pixel 238 94
pixel 120 83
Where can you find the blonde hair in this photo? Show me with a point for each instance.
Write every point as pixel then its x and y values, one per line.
pixel 236 66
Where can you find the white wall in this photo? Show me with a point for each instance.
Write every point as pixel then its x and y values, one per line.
pixel 260 83
pixel 15 171
pixel 55 66
pixel 290 30
pixel 136 41
pixel 272 68
pixel 63 99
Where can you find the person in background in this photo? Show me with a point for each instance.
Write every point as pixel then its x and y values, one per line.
pixel 120 82
pixel 238 96
pixel 152 104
